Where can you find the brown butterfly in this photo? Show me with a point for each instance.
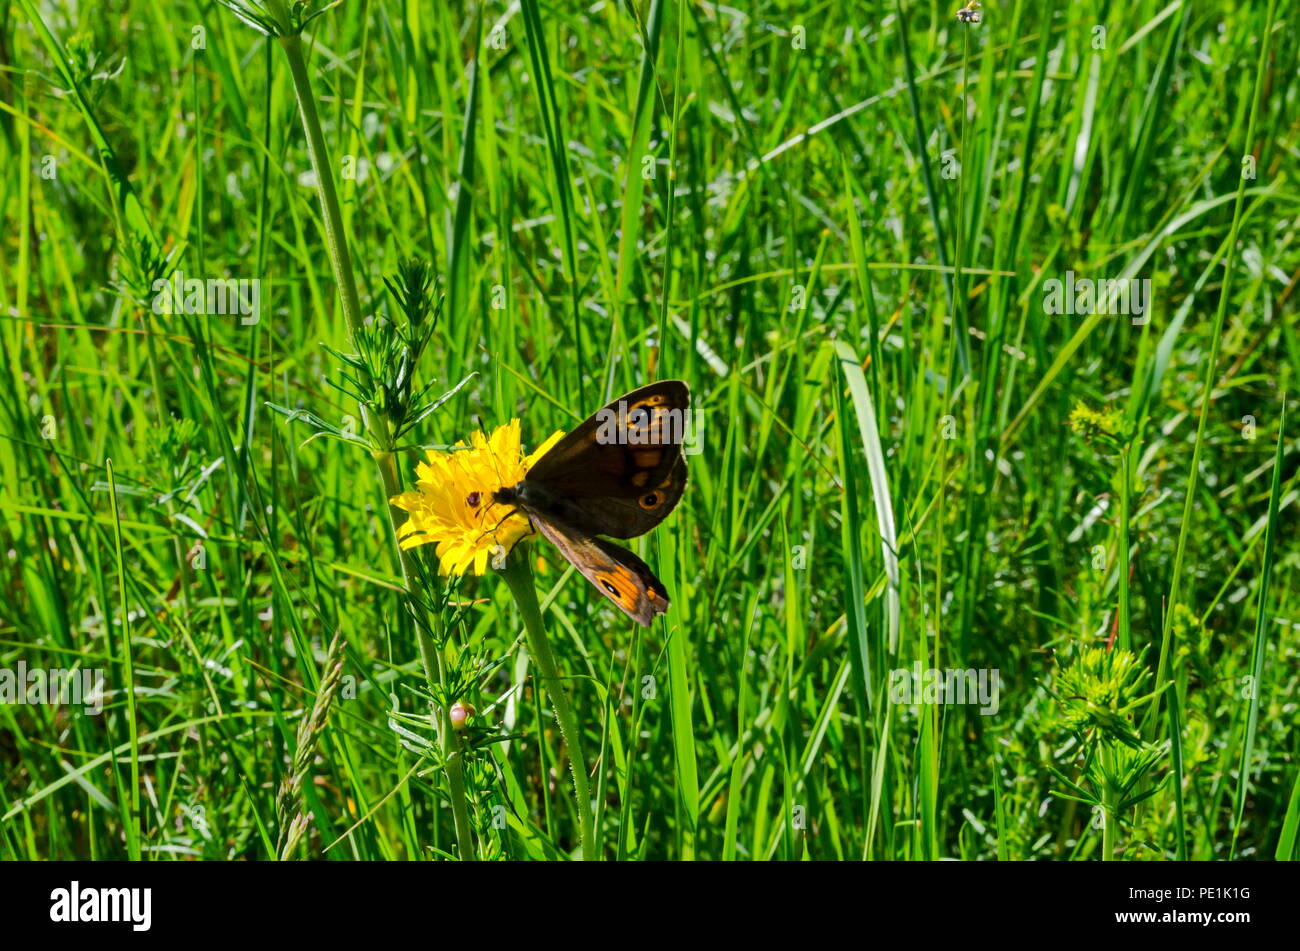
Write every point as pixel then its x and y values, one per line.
pixel 619 474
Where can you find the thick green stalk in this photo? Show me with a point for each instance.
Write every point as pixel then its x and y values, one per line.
pixel 341 261
pixel 519 576
pixel 1109 806
pixel 1110 824
pixel 335 238
pixel 435 667
pixel 1125 619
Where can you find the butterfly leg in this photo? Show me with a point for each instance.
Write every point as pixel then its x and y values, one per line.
pixel 514 510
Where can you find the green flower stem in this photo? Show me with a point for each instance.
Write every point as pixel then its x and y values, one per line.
pixel 518 575
pixel 335 239
pixel 341 261
pixel 1110 822
pixel 1125 597
pixel 1109 806
pixel 435 667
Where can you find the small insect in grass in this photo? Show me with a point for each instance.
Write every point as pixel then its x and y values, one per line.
pixel 970 13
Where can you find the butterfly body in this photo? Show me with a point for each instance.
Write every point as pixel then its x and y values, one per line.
pixel 619 473
pixel 537 500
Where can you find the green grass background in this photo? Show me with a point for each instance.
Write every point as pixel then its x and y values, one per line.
pixel 887 474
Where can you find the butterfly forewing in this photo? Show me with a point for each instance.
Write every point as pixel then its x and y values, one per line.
pixel 630 446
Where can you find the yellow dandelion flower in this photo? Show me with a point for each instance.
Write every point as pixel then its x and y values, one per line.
pixel 451 505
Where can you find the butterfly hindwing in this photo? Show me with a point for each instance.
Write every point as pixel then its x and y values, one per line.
pixel 617 573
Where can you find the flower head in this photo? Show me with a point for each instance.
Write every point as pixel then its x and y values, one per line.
pixel 452 503
pixel 1105 426
pixel 1100 689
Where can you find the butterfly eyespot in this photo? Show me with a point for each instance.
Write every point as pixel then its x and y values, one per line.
pixel 473 499
pixel 610 588
pixel 650 500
